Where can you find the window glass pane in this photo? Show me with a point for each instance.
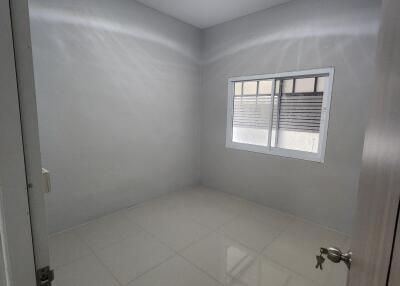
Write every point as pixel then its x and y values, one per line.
pixel 251 116
pixel 288 86
pixel 321 84
pixel 297 140
pixel 305 84
pixel 265 87
pixel 249 87
pixel 238 88
pixel 296 121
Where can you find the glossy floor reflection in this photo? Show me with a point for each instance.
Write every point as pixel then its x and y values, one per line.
pixel 198 237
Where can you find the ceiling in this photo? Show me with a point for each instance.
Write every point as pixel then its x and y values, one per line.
pixel 207 13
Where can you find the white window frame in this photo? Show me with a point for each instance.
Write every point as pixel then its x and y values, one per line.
pixel 326 102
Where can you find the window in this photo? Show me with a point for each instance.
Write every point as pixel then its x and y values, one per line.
pixel 282 114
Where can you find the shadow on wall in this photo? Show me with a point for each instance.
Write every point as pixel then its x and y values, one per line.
pixel 299 35
pixel 290 31
pixel 118 94
pixel 84 19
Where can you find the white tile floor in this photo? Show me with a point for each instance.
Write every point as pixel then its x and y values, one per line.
pixel 198 237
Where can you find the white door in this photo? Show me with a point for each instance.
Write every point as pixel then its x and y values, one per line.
pixel 379 187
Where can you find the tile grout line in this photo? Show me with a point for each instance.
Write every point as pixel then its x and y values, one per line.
pixel 279 235
pixel 291 270
pixel 280 232
pixel 150 269
pixel 58 267
pixel 112 243
pixel 281 265
pixel 288 267
pixel 177 253
pixel 100 261
pixel 72 228
pixel 295 272
pixel 200 269
pixel 251 248
pixel 75 259
pixel 160 240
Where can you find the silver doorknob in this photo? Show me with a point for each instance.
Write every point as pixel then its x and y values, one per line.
pixel 335 255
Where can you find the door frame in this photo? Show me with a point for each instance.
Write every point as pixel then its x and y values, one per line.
pixel 26 246
pixel 16 234
pixel 19 10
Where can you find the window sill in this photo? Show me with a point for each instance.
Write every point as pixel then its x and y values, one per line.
pixel 308 156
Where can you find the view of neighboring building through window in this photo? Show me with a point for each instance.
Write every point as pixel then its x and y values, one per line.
pixel 274 113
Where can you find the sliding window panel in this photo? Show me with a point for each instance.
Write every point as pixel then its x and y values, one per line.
pixel 297 115
pixel 252 112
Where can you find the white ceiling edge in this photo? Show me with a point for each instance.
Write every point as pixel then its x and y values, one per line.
pixel 207 13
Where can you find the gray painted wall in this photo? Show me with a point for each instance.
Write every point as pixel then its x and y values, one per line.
pixel 299 35
pixel 126 103
pixel 118 101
